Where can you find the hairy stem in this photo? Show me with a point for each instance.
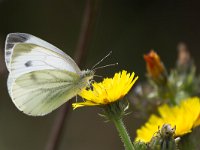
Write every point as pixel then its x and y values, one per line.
pixel 123 133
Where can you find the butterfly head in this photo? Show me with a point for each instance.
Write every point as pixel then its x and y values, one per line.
pixel 89 74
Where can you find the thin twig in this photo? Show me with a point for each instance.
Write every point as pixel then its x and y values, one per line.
pixel 79 56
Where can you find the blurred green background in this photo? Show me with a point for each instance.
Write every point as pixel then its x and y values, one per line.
pixel 130 28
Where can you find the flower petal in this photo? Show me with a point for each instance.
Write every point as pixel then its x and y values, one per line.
pixel 109 90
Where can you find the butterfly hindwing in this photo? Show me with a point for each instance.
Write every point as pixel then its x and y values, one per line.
pixel 40 92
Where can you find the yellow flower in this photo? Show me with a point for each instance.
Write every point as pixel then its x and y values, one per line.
pixel 185 117
pixel 107 91
pixel 155 67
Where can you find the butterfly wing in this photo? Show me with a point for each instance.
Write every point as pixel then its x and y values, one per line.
pixel 30 57
pixel 9 83
pixel 39 92
pixel 15 38
pixel 41 77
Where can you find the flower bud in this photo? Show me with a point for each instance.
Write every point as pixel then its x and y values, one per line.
pixel 155 68
pixel 164 139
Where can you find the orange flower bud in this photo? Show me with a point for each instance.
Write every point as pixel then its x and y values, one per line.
pixel 155 67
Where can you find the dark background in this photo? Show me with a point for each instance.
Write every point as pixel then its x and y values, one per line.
pixel 130 28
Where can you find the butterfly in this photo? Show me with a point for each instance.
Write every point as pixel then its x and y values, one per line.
pixel 41 76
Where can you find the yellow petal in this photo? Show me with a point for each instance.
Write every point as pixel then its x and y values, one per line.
pixel 109 90
pixel 184 116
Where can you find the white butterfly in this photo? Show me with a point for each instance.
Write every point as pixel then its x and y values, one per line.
pixel 41 76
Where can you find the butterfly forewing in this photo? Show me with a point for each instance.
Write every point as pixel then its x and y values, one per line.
pixel 30 57
pixel 16 38
pixel 40 92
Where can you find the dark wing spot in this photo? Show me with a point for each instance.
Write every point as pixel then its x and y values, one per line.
pixel 9 46
pixel 17 38
pixel 28 63
pixel 14 38
pixel 8 53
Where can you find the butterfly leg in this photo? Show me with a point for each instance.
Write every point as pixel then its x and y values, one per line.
pixel 83 99
pixel 90 84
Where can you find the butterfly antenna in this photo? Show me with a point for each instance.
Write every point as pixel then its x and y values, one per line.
pixel 106 66
pixel 101 60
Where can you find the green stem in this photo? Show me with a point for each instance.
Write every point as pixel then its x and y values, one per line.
pixel 123 133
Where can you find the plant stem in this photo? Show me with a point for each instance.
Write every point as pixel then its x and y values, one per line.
pixel 87 25
pixel 123 133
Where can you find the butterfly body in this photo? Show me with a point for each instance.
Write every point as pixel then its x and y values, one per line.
pixel 41 77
